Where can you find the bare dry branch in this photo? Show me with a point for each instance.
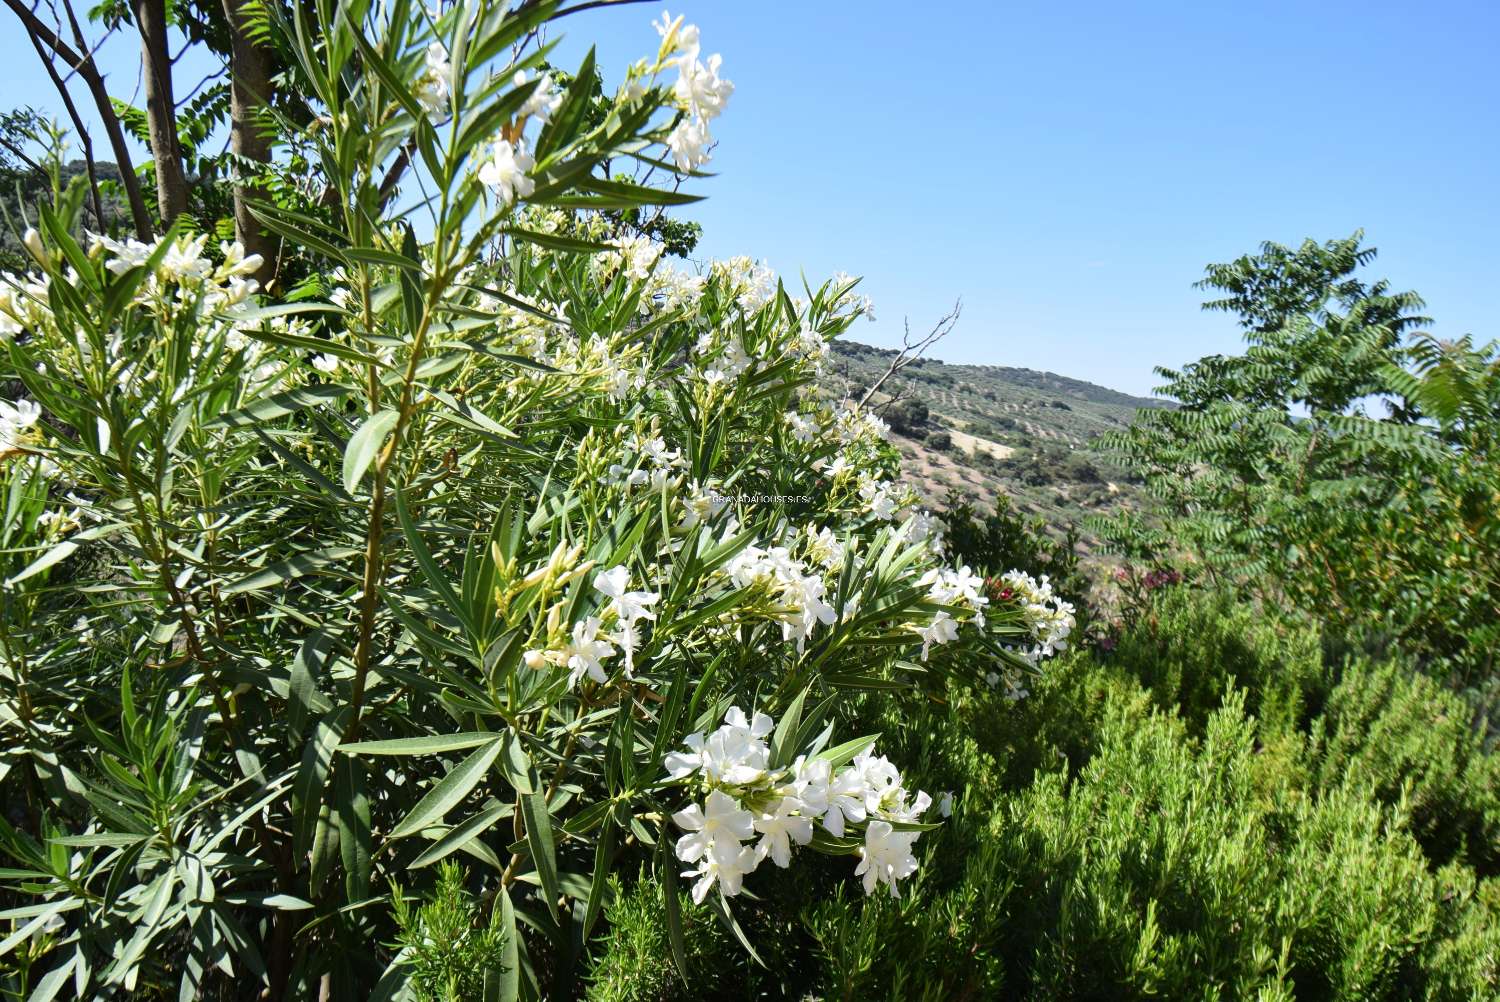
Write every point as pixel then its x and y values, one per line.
pixel 914 348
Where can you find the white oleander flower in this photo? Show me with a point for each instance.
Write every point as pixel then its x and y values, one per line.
pixel 431 90
pixel 846 801
pixel 327 364
pixel 720 817
pixel 689 142
pixel 726 866
pixel 585 651
pixel 810 782
pixel 880 497
pixel 505 171
pixel 543 102
pixel 700 90
pixel 629 608
pixel 779 828
pixel 825 548
pixel 804 429
pixel 942 630
pixel 886 857
pixel 945 804
pixel 16 418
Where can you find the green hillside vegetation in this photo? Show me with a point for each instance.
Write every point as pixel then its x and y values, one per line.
pixel 982 431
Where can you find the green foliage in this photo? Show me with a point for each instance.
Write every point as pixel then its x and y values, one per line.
pixel 1405 740
pixel 1190 648
pixel 446 941
pixel 635 964
pixel 1166 866
pixel 1382 528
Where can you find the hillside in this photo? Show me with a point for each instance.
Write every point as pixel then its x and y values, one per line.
pixel 982 430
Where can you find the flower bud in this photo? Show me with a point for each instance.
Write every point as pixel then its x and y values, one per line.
pixel 33 242
pixel 535 660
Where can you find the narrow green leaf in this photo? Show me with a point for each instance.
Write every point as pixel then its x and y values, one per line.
pixel 454 838
pixel 278 405
pixel 429 565
pixel 364 444
pixel 430 744
pixel 844 753
pixel 292 567
pixel 510 952
pixel 453 787
pixel 516 765
pixel 666 865
pixel 55 555
pixel 543 852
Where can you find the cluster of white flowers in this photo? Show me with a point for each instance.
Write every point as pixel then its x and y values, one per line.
pixel 586 647
pixel 853 424
pixel 826 548
pixel 746 797
pixel 1049 618
pixel 945 586
pixel 184 265
pixel 655 464
pixel 801 598
pixel 921 526
pixel 676 288
pixel 431 90
pixel 885 500
pixel 634 256
pixel 722 359
pixel 851 304
pixel 701 505
pixel 804 428
pixel 15 419
pixel 23 303
pixel 700 92
pixel 751 282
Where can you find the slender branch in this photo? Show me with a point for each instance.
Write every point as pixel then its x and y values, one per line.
pixel 83 133
pixel 86 68
pixel 913 349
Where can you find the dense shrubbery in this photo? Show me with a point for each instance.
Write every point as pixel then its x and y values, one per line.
pixel 509 543
pixel 1109 841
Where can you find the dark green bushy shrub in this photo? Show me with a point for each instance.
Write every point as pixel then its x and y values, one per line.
pixel 636 962
pixel 1193 870
pixel 1401 735
pixel 1173 868
pixel 1189 647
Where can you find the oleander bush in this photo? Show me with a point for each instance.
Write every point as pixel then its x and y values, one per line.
pixel 504 541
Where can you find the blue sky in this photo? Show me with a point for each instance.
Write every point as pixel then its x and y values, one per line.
pixel 1068 169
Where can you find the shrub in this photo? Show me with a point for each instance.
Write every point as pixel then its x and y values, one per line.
pixel 1190 647
pixel 1406 740
pixel 1175 868
pixel 635 963
pixel 480 543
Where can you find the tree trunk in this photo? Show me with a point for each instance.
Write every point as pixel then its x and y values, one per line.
pixel 161 109
pixel 249 89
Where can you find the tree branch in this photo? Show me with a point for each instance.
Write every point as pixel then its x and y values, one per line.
pixel 913 349
pixel 86 68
